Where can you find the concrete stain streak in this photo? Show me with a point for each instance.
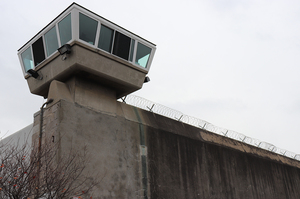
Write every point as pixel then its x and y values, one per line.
pixel 143 155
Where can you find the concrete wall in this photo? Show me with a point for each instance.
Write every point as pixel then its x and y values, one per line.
pixel 143 155
pixel 111 140
pixel 181 167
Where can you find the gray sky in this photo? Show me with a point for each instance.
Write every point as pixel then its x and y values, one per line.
pixel 232 63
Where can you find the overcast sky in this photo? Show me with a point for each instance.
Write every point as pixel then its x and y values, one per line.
pixel 232 63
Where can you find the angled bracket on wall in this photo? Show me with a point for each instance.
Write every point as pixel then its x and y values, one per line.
pixel 35 74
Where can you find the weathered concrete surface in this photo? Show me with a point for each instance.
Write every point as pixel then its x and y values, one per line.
pixel 113 143
pixel 143 155
pixel 187 162
pixel 81 91
pixel 180 167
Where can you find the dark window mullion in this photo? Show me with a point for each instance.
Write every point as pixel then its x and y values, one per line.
pixel 38 51
pixel 121 45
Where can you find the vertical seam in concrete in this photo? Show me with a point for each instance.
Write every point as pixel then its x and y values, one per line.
pixel 143 155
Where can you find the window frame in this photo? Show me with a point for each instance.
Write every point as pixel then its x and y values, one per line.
pixel 97 28
pixel 120 35
pixel 23 64
pixel 101 21
pixel 45 44
pixel 58 32
pixel 137 52
pixel 112 38
pixel 41 34
pixel 74 11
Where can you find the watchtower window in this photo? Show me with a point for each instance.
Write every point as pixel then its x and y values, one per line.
pixel 65 31
pixel 142 55
pixel 27 59
pixel 121 45
pixel 87 28
pixel 106 37
pixel 38 51
pixel 51 41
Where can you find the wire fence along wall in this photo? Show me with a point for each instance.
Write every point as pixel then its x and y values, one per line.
pixel 179 116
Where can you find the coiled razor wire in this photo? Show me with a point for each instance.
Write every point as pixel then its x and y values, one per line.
pixel 179 116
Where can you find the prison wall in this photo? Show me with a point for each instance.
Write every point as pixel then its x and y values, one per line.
pixel 139 154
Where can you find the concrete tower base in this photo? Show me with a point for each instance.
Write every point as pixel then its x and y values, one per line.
pixel 84 113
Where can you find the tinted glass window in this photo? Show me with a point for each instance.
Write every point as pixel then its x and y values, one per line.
pixel 121 45
pixel 51 41
pixel 87 28
pixel 131 50
pixel 27 59
pixel 106 37
pixel 65 30
pixel 38 51
pixel 142 55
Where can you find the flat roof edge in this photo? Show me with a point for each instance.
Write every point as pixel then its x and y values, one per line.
pixel 73 5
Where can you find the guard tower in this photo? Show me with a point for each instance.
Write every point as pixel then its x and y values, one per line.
pixel 83 51
pixel 84 63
